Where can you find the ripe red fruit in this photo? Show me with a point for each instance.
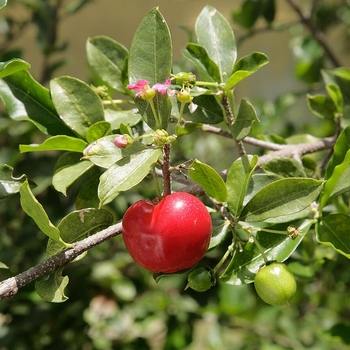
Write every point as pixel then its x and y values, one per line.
pixel 168 236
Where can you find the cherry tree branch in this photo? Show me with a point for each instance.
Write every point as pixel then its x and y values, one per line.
pixel 317 34
pixel 10 286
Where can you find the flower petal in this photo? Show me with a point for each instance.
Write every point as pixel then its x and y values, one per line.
pixel 162 88
pixel 139 85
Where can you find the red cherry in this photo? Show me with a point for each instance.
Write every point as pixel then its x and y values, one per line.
pixel 167 236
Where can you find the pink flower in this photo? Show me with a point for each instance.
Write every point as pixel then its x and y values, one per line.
pixel 123 141
pixel 147 93
pixel 162 88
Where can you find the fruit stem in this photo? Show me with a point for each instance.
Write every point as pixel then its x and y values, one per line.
pixel 166 170
pixel 223 259
pixel 260 248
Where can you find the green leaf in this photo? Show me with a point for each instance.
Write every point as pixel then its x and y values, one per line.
pixel 340 149
pixel 215 34
pixel 238 178
pixel 339 77
pixel 12 66
pixel 107 57
pixel 34 209
pixel 208 111
pixel 336 96
pixel 247 14
pixel 150 58
pixel 57 143
pixel 220 230
pixel 25 99
pixel 115 118
pixel 207 68
pixel 342 185
pixel 126 173
pixel 98 130
pixel 309 59
pixel 244 121
pixel 68 169
pixel 103 152
pixel 87 196
pixel 333 180
pixel 9 184
pixel 78 225
pixel 245 67
pixel 333 231
pixel 322 106
pixel 52 288
pixel 246 261
pixel 3 3
pixel 284 166
pixel 282 197
pixel 257 182
pixel 77 103
pixel 209 179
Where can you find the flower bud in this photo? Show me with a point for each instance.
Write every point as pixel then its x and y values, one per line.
pixel 184 96
pixel 184 78
pixel 123 141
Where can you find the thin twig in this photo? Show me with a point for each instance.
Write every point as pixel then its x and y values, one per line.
pixel 318 35
pixel 10 286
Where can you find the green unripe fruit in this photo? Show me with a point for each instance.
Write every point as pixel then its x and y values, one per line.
pixel 200 279
pixel 275 284
pixel 184 78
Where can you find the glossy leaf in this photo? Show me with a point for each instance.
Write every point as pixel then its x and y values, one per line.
pixel 208 110
pixel 207 68
pixel 35 210
pixel 77 103
pixel 282 197
pixel 257 182
pixel 244 121
pixel 322 106
pixel 341 78
pixel 246 262
pixel 336 96
pixel 209 179
pixel 215 34
pixel 52 288
pixel 284 166
pixel 103 152
pixel 150 58
pixel 97 131
pixel 126 173
pixel 26 99
pixel 57 143
pixel 9 184
pixel 3 3
pixel 340 149
pixel 334 179
pixel 13 66
pixel 333 231
pixel 78 225
pixel 220 230
pixel 106 57
pixel 68 169
pixel 245 67
pixel 87 196
pixel 115 118
pixel 237 182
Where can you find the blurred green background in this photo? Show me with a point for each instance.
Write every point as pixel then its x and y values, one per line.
pixel 114 304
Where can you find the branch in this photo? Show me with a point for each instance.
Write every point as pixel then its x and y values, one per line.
pixel 318 35
pixel 296 151
pixel 10 286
